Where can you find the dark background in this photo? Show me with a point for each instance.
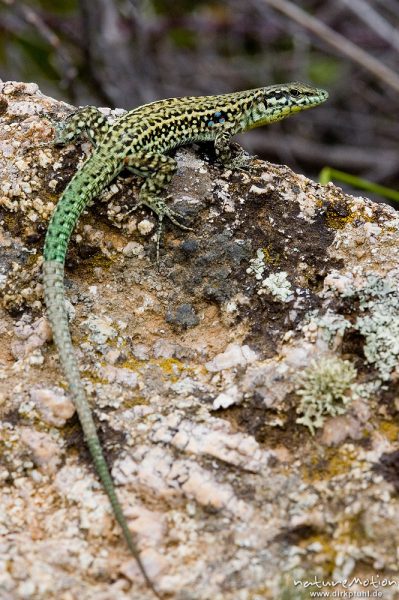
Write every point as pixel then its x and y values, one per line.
pixel 122 53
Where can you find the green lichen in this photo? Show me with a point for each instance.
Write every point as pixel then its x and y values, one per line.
pixel 279 286
pixel 367 390
pixel 276 284
pixel 257 265
pixel 264 257
pixel 324 388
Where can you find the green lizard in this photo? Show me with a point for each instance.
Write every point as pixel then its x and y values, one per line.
pixel 139 141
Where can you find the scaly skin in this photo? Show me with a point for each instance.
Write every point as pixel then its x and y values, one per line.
pixel 139 141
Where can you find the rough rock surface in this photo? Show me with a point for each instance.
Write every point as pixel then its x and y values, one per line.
pixel 246 392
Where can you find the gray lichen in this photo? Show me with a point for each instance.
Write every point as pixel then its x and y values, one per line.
pixel 379 301
pixel 331 325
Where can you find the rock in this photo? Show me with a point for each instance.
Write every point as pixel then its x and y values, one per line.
pixel 55 408
pixel 30 337
pixel 279 277
pixel 233 356
pixel 45 452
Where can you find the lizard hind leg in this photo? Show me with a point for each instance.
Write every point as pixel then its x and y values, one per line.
pixel 86 120
pixel 158 170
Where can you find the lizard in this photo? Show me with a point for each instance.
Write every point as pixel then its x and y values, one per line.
pixel 140 141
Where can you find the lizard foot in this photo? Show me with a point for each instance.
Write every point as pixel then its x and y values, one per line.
pixel 162 210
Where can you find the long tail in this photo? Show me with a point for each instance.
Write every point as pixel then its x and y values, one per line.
pixel 84 186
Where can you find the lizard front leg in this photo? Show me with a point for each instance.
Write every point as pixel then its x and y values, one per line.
pixel 158 170
pixel 237 159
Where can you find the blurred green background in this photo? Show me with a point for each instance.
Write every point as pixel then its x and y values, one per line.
pixel 123 53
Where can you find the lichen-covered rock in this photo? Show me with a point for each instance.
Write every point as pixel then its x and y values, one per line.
pixel 246 392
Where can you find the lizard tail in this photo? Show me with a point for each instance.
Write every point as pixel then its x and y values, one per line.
pixel 61 226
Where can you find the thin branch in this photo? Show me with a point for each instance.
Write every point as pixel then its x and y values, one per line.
pixel 374 20
pixel 30 17
pixel 337 41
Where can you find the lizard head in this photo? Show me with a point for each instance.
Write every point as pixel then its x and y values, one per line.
pixel 276 102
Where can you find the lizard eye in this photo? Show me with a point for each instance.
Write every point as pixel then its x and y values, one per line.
pixel 294 93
